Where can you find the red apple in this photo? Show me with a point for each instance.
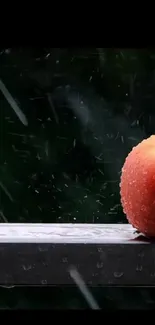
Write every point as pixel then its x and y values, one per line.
pixel 137 187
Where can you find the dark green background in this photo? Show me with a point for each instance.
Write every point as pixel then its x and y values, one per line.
pixel 65 166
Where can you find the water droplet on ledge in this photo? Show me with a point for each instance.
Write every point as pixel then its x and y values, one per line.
pixel 27 267
pixel 43 281
pixel 139 268
pixel 99 265
pixel 65 260
pixel 118 274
